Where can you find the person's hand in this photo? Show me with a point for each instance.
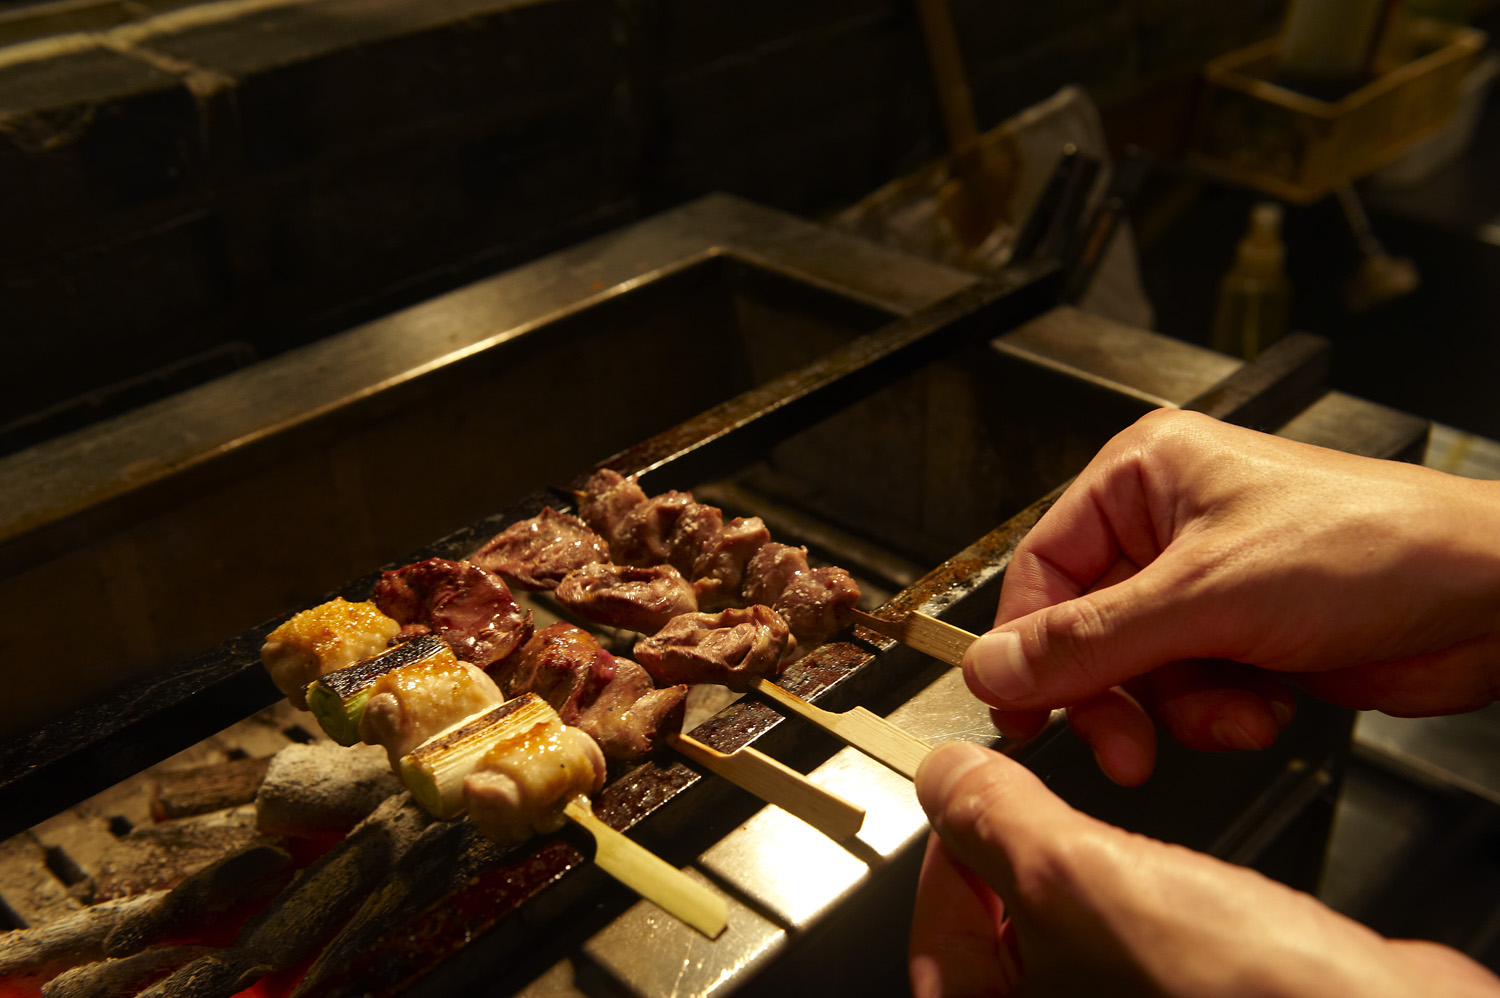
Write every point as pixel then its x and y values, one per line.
pixel 1195 566
pixel 1021 894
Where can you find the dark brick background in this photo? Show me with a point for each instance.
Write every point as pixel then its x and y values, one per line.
pixel 270 179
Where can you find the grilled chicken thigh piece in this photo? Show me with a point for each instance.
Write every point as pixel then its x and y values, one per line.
pixel 409 705
pixel 321 639
pixel 520 787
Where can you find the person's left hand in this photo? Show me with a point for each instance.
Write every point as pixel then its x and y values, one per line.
pixel 1022 895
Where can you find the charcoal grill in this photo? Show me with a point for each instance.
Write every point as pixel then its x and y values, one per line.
pixel 883 410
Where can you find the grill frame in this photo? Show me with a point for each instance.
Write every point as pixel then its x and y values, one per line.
pixel 117 736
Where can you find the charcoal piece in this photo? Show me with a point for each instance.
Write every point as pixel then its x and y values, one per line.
pixel 311 790
pixel 75 938
pixel 210 976
pixel 298 919
pixel 211 891
pixel 124 976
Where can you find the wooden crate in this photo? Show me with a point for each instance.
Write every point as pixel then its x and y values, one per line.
pixel 1255 131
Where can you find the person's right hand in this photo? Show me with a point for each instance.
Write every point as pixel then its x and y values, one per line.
pixel 1189 545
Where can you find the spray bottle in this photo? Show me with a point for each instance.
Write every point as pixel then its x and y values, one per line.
pixel 1254 295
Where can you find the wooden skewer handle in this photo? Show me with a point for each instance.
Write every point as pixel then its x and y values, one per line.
pixel 869 732
pixel 927 635
pixel 650 876
pixel 777 784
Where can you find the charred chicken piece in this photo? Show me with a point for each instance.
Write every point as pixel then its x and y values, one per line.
pixel 645 533
pixel 817 604
pixel 639 599
pixel 468 606
pixel 719 572
pixel 535 555
pixel 732 648
pixel 606 499
pixel 612 699
pixel 696 529
pixel 319 640
pixel 513 768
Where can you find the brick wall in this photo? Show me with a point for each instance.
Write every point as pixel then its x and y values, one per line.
pixel 281 170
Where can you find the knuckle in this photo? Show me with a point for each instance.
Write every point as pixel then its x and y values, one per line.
pixel 979 796
pixel 1075 634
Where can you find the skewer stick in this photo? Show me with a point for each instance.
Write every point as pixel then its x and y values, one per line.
pixel 927 635
pixel 650 876
pixel 777 784
pixel 869 732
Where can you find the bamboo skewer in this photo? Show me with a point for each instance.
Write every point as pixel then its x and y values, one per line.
pixel 927 635
pixel 650 876
pixel 869 732
pixel 777 784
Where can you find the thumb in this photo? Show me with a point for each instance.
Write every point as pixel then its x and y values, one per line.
pixel 991 812
pixel 1076 649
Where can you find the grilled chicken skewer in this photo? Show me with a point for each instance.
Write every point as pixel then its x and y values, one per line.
pixel 518 770
pixel 339 699
pixel 782 607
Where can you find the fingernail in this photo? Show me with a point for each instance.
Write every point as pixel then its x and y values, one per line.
pixel 1000 667
pixel 1282 712
pixel 1232 736
pixel 943 768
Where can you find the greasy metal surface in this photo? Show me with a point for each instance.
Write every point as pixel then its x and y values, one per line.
pixel 651 955
pixel 1281 382
pixel 1160 370
pixel 753 859
pixel 1461 751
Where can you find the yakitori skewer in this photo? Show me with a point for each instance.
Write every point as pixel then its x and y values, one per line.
pixel 927 635
pixel 338 698
pixel 777 784
pixel 867 731
pixel 650 876
pixel 512 767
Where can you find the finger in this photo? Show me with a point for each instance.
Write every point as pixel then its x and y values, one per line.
pixel 1215 705
pixel 989 811
pixel 1102 529
pixel 1120 734
pixel 1071 651
pixel 1456 680
pixel 955 944
pixel 1445 970
pixel 1020 724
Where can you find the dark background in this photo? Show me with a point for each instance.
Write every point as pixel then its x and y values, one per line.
pixel 184 205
